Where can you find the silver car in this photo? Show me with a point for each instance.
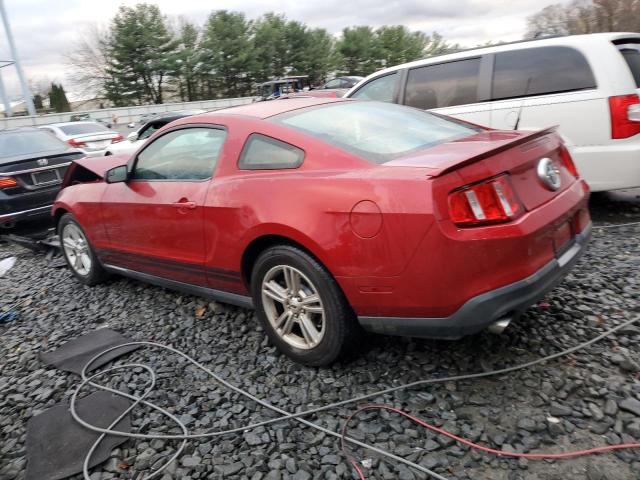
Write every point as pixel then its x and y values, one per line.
pixel 91 138
pixel 136 139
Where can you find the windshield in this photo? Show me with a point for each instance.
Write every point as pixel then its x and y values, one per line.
pixel 19 143
pixel 83 129
pixel 376 131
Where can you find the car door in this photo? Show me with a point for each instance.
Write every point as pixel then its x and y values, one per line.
pixel 154 221
pixel 451 88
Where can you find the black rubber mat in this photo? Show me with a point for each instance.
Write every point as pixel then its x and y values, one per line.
pixel 57 444
pixel 74 355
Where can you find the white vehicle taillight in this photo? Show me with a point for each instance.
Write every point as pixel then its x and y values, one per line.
pixel 625 115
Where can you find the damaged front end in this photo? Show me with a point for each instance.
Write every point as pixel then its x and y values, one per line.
pixel 91 169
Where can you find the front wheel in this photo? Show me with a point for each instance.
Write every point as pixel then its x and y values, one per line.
pixel 301 307
pixel 78 253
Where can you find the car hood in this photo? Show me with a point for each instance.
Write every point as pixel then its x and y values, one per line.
pixel 448 156
pixel 100 165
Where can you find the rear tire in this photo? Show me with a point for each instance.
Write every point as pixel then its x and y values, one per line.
pixel 78 253
pixel 301 307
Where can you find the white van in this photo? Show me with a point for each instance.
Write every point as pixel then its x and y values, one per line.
pixel 588 85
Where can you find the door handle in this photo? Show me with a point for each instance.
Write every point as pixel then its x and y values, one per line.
pixel 185 205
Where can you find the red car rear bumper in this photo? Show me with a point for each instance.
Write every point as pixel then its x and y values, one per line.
pixel 483 310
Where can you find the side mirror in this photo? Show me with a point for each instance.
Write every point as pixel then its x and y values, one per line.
pixel 132 137
pixel 117 174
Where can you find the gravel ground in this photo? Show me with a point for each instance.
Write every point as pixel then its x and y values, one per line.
pixel 589 399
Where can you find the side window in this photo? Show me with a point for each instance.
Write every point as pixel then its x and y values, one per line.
pixel 186 154
pixel 266 153
pixel 443 85
pixel 150 129
pixel 381 89
pixel 539 71
pixel 630 51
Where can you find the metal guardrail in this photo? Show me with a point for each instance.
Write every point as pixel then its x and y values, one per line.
pixel 125 114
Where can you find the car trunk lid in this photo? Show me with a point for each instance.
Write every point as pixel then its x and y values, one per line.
pixel 37 172
pixel 95 141
pixel 491 153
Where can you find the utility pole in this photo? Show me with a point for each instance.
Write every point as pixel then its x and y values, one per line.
pixel 14 54
pixel 3 94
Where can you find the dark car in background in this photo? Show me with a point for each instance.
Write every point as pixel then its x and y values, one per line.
pixel 32 165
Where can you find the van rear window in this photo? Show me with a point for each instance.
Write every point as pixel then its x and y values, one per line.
pixel 630 51
pixel 540 71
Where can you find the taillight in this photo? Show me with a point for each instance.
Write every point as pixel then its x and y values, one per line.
pixel 491 201
pixel 76 144
pixel 567 161
pixel 117 138
pixel 8 182
pixel 625 115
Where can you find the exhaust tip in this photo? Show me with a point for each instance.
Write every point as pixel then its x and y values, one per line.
pixel 500 325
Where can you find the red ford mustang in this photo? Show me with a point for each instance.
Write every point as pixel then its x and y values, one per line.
pixel 326 215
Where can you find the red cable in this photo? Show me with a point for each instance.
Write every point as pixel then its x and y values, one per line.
pixel 500 453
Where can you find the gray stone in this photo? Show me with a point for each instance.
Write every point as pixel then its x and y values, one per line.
pixel 558 410
pixel 190 461
pixel 630 405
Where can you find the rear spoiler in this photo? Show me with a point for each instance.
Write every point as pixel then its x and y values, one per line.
pixel 527 137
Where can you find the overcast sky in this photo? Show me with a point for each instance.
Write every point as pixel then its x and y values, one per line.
pixel 45 30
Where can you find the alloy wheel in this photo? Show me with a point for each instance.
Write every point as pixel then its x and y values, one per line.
pixel 293 307
pixel 76 248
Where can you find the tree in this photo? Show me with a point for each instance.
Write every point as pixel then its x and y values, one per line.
pixel 186 65
pixel 358 50
pixel 551 20
pixel 318 56
pixel 396 44
pixel 288 47
pixel 141 57
pixel 437 45
pixel 585 16
pixel 269 42
pixel 37 102
pixel 227 53
pixel 140 51
pixel 90 61
pixel 364 50
pixel 58 99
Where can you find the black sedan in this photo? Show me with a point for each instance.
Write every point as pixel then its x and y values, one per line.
pixel 32 166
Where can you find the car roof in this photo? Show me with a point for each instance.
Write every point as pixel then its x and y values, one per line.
pixel 20 129
pixel 64 124
pixel 275 107
pixel 577 41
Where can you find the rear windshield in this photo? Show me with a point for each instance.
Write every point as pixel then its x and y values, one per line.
pixel 19 143
pixel 630 51
pixel 376 131
pixel 83 129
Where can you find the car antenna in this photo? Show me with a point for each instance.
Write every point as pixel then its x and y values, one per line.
pixel 526 92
